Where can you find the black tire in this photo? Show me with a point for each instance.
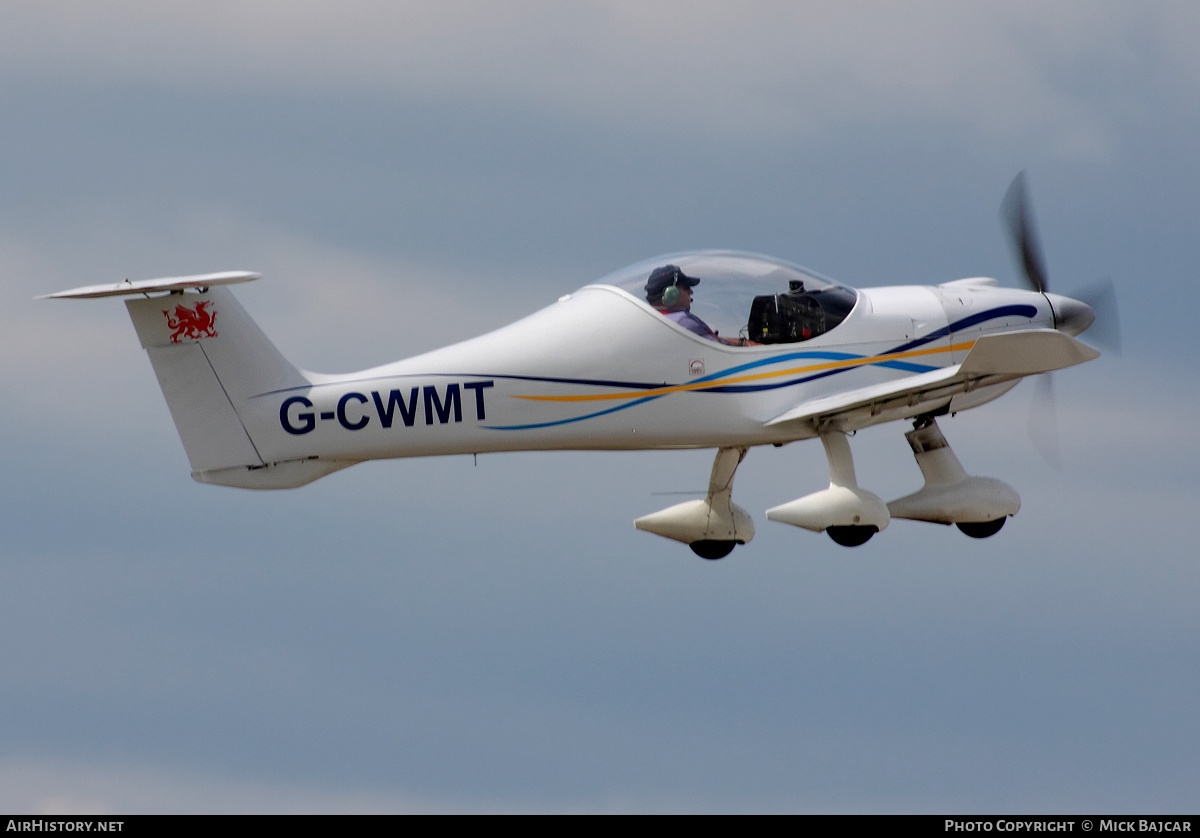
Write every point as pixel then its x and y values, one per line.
pixel 712 549
pixel 981 529
pixel 851 536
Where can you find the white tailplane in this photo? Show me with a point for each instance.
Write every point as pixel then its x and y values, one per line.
pixel 214 364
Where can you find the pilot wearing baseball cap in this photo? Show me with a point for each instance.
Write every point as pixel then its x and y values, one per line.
pixel 669 290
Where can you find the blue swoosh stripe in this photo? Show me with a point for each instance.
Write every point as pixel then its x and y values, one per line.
pixel 964 323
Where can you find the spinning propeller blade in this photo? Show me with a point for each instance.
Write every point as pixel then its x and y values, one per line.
pixel 1017 213
pixel 1043 421
pixel 1018 216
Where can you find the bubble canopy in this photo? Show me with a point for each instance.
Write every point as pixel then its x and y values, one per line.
pixel 744 295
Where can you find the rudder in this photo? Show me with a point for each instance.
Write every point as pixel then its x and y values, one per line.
pixel 211 360
pixel 210 357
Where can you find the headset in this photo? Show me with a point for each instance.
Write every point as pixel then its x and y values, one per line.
pixel 670 294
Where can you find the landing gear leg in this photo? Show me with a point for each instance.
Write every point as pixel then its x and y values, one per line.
pixel 711 527
pixel 719 497
pixel 849 515
pixel 978 506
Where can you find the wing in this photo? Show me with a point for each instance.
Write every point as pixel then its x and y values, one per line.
pixel 993 366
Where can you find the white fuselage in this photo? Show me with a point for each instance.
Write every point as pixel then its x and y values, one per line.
pixel 600 369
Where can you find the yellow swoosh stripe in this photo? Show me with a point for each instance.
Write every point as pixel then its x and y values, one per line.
pixel 725 382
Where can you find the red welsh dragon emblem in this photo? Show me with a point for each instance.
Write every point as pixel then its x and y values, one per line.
pixel 193 323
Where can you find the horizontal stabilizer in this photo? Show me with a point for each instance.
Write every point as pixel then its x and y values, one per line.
pixel 145 286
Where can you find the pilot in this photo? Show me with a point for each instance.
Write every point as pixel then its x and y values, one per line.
pixel 669 290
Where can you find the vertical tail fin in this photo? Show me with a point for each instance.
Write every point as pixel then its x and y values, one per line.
pixel 211 359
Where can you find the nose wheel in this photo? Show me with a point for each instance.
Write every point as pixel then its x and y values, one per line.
pixel 978 506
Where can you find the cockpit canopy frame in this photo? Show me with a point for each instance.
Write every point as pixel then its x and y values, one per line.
pixel 745 295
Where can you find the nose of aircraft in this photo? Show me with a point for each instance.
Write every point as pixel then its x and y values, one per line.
pixel 1071 316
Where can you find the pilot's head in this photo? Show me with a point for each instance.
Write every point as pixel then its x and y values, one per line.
pixel 667 286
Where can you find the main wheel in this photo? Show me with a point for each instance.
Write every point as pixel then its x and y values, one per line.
pixel 851 536
pixel 981 529
pixel 712 549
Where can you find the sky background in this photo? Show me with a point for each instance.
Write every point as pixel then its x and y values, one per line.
pixel 443 635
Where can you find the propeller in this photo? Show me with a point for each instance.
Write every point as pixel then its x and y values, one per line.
pixel 1017 213
pixel 1043 421
pixel 1022 233
pixel 1105 330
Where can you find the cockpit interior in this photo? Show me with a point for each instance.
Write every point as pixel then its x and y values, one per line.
pixel 743 295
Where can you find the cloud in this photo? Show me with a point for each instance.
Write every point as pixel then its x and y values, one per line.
pixel 42 787
pixel 768 69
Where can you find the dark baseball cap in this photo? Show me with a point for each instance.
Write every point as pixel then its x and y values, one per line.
pixel 663 278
